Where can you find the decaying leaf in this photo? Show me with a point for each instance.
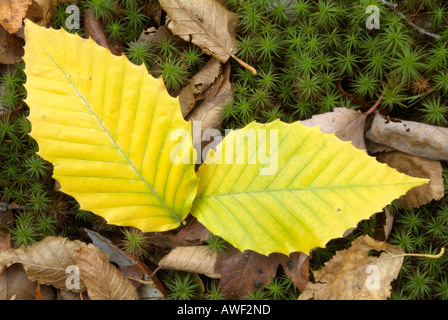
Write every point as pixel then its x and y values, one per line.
pixel 242 273
pixel 102 279
pixel 207 24
pixel 206 114
pixel 354 275
pixel 296 267
pixel 5 243
pixel 346 124
pixel 46 260
pixel 415 138
pixel 198 84
pixel 15 285
pixel 95 30
pixel 420 168
pixel 39 11
pixel 12 13
pixel 7 56
pixel 208 108
pixel 193 231
pixel 196 259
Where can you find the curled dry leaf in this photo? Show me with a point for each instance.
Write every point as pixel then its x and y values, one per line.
pixel 198 84
pixel 12 13
pixel 207 113
pixel 14 284
pixel 346 124
pixel 417 139
pixel 39 11
pixel 195 259
pixel 102 279
pixel 354 275
pixel 207 24
pixel 208 110
pixel 46 260
pixel 420 168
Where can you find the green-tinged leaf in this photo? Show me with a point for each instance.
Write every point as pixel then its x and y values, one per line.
pixel 106 126
pixel 310 189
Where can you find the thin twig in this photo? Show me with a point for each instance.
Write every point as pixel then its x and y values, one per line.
pixel 419 29
pixel 373 108
pixel 150 282
pixel 4 205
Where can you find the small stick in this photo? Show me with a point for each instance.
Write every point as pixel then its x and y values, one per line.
pixel 419 29
pixel 150 282
pixel 373 108
pixel 11 207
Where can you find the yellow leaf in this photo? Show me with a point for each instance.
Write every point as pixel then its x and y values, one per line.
pixel 309 189
pixel 106 126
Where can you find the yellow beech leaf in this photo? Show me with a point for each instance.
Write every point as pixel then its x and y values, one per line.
pixel 105 124
pixel 295 188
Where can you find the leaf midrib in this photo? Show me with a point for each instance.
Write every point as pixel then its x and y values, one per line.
pixel 302 189
pixel 124 155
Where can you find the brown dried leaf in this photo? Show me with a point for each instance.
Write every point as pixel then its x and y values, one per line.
pixel 242 273
pixel 102 279
pixel 95 30
pixel 193 231
pixel 420 168
pixel 12 13
pixel 209 110
pixel 195 259
pixel 296 267
pixel 198 84
pixel 346 124
pixel 354 275
pixel 207 24
pixel 15 285
pixel 417 139
pixel 7 56
pixel 5 241
pixel 39 12
pixel 46 260
pixel 207 113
